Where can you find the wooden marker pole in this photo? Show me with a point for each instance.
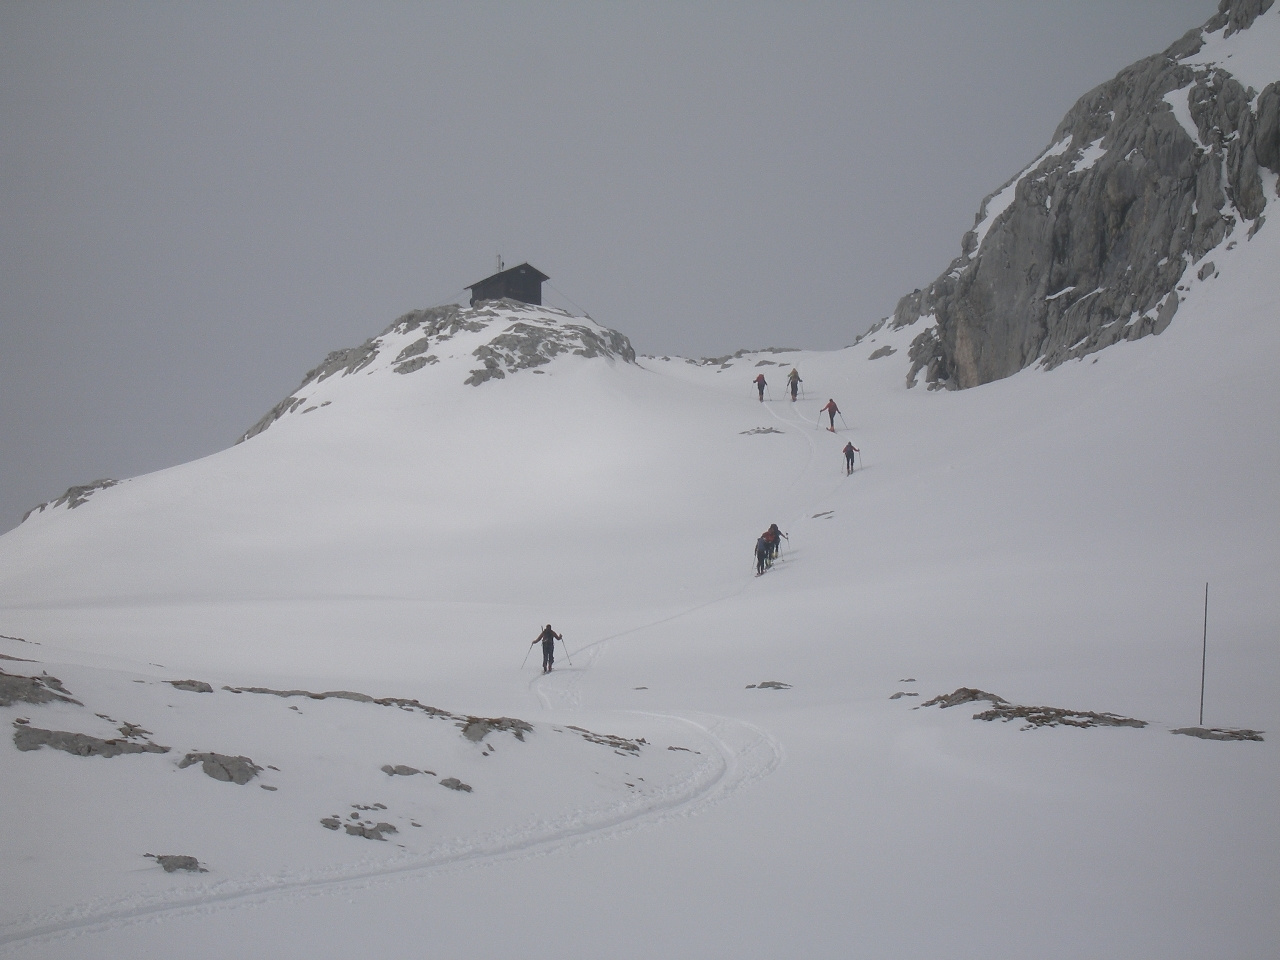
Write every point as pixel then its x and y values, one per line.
pixel 1204 651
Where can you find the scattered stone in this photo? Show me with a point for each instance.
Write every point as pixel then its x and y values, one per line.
pixel 1219 733
pixel 453 783
pixel 400 702
pixel 685 750
pixel 908 680
pixel 191 686
pixel 963 695
pixel 78 744
pixel 901 693
pixel 1056 716
pixel 477 728
pixel 331 823
pixel 370 832
pixel 173 862
pixel 756 430
pixel 266 787
pixel 1002 709
pixel 885 351
pixel 41 689
pixel 769 685
pixel 619 744
pixel 399 770
pixel 238 770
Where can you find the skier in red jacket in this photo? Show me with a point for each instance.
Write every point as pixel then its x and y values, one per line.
pixel 832 410
pixel 760 385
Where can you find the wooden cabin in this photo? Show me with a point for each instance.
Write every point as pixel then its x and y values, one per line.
pixel 522 283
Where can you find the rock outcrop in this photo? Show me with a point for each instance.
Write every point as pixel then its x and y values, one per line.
pixel 491 340
pixel 1089 245
pixel 74 497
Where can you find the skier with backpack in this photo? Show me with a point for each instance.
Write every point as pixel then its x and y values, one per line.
pixel 849 451
pixel 548 638
pixel 773 536
pixel 760 385
pixel 794 381
pixel 832 410
pixel 762 555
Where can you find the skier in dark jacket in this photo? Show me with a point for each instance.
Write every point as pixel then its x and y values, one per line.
pixel 760 385
pixel 548 638
pixel 762 555
pixel 849 451
pixel 793 379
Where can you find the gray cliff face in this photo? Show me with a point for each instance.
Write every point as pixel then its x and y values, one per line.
pixel 1088 245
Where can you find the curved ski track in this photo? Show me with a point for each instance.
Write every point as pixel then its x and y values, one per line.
pixel 742 754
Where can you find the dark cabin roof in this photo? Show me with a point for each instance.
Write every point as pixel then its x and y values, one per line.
pixel 522 283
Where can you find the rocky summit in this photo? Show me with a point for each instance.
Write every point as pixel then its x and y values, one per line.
pixel 1096 240
pixel 488 341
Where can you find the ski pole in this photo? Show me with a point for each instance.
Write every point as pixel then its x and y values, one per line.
pixel 843 420
pixel 566 651
pixel 526 655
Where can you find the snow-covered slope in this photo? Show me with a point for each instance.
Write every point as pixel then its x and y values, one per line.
pixel 404 537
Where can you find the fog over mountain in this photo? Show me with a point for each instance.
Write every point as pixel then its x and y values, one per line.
pixel 203 200
pixel 475 642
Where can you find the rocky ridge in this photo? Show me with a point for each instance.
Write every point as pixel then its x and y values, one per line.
pixel 494 339
pixel 1092 243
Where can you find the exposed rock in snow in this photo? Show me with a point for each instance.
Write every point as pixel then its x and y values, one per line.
pixel 1002 709
pixel 74 497
pixel 79 744
pixel 1056 716
pixel 191 686
pixel 173 862
pixel 1219 733
pixel 41 689
pixel 504 336
pixel 238 770
pixel 476 729
pixel 401 770
pixel 1088 245
pixel 961 696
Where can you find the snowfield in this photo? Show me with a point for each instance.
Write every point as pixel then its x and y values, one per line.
pixel 721 765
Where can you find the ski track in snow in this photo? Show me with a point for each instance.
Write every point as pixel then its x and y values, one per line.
pixel 741 754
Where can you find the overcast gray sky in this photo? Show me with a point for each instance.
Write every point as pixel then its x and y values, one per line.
pixel 200 200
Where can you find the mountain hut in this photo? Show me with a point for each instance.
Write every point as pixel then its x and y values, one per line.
pixel 522 283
